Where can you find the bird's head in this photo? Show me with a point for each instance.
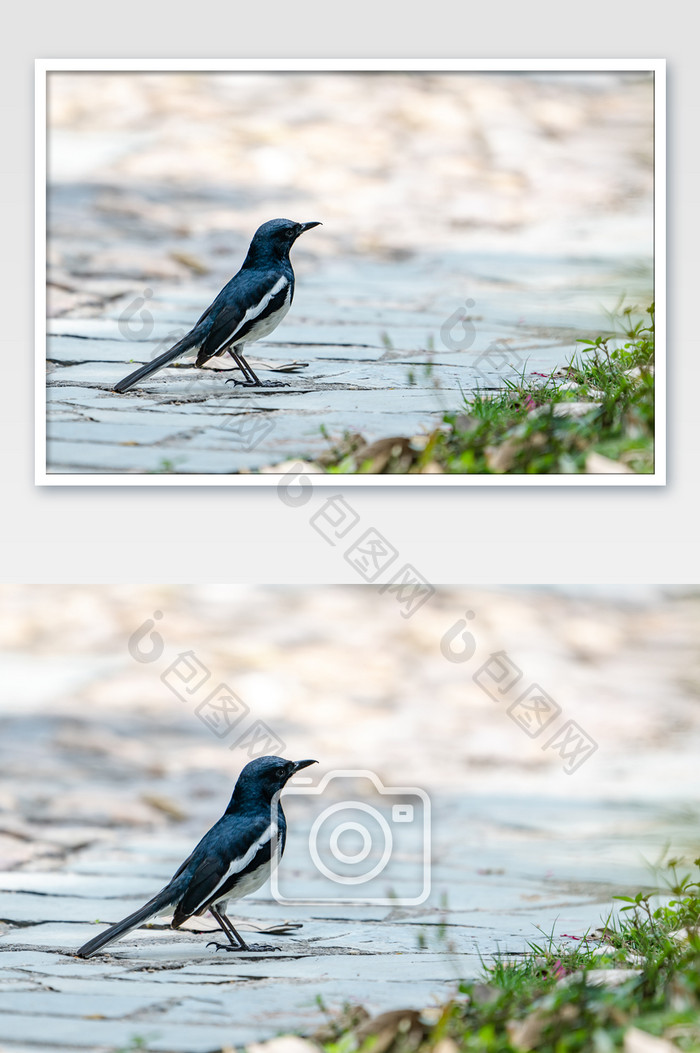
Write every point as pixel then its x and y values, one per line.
pixel 263 777
pixel 276 237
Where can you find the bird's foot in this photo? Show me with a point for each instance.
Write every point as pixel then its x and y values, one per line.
pixel 256 948
pixel 257 384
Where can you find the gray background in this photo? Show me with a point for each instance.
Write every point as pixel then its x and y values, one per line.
pixel 483 534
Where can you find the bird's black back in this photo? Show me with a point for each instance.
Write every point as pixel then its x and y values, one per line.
pixel 202 878
pixel 247 288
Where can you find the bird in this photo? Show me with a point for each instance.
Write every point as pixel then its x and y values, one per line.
pixel 232 860
pixel 249 306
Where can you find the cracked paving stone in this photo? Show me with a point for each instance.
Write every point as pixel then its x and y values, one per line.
pixel 368 364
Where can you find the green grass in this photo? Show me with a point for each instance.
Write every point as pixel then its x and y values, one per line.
pixel 600 405
pixel 553 998
pixel 533 428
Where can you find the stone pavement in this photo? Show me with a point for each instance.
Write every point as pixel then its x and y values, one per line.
pixel 504 873
pixel 385 356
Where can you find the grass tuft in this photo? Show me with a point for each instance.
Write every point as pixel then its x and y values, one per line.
pixel 633 985
pixel 594 416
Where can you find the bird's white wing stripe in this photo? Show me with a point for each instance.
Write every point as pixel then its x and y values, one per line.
pixel 236 865
pixel 253 312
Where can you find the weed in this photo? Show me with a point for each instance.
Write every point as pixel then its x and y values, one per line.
pixel 637 975
pixel 594 415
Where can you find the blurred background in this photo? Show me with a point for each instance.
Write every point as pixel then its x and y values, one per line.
pixel 94 740
pixel 162 175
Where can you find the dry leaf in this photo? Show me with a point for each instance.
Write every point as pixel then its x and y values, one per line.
pixel 525 1034
pixel 446 1045
pixel 384 1029
pixel 395 449
pixel 637 1041
pixel 190 261
pixel 164 805
pixel 597 464
pixel 501 458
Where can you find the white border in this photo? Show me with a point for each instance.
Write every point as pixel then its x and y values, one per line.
pixel 656 66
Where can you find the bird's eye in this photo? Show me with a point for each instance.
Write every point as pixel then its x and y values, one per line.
pixel 280 773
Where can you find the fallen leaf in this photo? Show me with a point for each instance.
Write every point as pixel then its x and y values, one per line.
pixel 164 805
pixel 395 451
pixel 501 458
pixel 525 1034
pixel 597 464
pixel 384 1029
pixel 190 261
pixel 227 365
pixel 637 1041
pixel 446 1045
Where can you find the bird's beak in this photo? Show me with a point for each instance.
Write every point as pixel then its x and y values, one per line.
pixel 302 228
pixel 298 765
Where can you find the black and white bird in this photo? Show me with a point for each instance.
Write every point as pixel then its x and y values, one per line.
pixel 248 307
pixel 232 860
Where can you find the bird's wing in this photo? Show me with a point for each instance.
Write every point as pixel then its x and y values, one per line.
pixel 234 312
pixel 232 849
pixel 203 882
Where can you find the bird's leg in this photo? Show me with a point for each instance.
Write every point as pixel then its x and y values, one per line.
pixel 226 925
pixel 256 379
pixel 237 944
pixel 250 378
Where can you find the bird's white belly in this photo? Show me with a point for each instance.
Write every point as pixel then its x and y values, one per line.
pixel 253 881
pixel 265 327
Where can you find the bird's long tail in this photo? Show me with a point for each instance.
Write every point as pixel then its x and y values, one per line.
pixel 187 342
pixel 157 905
